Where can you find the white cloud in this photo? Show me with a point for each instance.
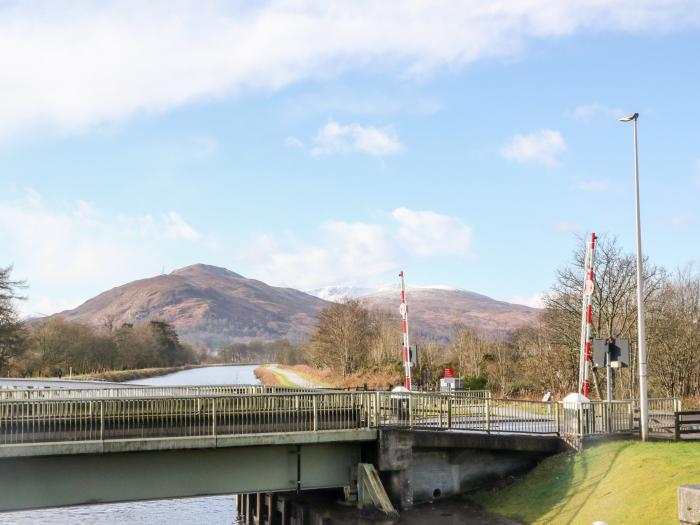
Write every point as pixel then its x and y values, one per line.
pixel 44 305
pixel 356 252
pixel 83 63
pixel 565 228
pixel 588 111
pixel 429 234
pixel 168 226
pixel 336 138
pixel 347 251
pixel 65 251
pixel 594 186
pixel 679 220
pixel 534 301
pixel 293 142
pixel 541 146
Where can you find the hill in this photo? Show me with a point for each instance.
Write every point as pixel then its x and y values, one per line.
pixel 433 312
pixel 208 305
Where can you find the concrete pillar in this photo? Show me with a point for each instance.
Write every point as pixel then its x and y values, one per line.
pixel 395 456
pixel 257 519
pixel 269 509
pixel 282 507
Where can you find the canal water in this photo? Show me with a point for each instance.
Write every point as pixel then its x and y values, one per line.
pixel 216 510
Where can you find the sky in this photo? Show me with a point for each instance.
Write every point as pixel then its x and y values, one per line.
pixel 316 142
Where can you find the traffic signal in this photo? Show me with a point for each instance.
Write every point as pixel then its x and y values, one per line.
pixel 618 349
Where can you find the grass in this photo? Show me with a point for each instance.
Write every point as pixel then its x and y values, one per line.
pixel 620 482
pixel 268 376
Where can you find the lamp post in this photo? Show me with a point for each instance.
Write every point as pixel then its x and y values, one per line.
pixel 641 331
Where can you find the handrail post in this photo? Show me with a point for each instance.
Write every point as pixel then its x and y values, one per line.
pixel 378 409
pixel 213 416
pixel 449 411
pixel 102 421
pixel 314 404
pixel 410 410
pixel 488 415
pixel 556 415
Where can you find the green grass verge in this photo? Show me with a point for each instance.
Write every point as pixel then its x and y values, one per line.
pixel 621 482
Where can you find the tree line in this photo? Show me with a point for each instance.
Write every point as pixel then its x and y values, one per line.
pixel 352 338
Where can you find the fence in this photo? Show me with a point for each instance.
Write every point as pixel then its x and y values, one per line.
pixel 42 421
pixel 686 425
pixel 128 391
pixel 237 410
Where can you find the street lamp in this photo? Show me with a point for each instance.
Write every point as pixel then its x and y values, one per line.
pixel 641 331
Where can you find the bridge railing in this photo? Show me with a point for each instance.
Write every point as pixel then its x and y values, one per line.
pixel 240 412
pixel 462 412
pixel 129 391
pixel 42 421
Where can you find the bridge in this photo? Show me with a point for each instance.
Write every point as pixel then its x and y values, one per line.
pixel 76 446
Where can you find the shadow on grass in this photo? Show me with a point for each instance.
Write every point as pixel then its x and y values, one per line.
pixel 554 483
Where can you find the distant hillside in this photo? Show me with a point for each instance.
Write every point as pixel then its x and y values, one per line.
pixel 208 305
pixel 433 312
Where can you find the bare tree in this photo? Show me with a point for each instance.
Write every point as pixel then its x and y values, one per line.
pixel 674 335
pixel 614 303
pixel 12 332
pixel 342 338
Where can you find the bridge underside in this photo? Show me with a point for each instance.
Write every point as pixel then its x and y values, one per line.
pixel 51 481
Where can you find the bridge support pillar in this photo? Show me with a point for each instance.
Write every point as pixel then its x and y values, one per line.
pixel 419 466
pixel 395 457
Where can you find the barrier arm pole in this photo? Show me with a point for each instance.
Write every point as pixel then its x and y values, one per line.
pixel 588 288
pixel 404 314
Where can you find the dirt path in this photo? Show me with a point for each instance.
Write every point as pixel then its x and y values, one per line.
pixel 294 378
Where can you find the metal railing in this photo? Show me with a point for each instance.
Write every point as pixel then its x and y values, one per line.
pixel 233 411
pixel 132 391
pixel 44 421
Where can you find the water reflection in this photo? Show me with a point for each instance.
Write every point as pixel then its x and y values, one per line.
pixel 215 510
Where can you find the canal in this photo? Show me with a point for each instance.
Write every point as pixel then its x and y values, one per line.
pixel 219 510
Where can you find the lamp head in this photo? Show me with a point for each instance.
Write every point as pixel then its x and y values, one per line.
pixel 630 118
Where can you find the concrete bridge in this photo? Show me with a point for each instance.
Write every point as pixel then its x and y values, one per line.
pixel 107 445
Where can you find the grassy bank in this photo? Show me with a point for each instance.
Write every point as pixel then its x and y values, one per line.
pixel 327 378
pixel 268 376
pixel 621 482
pixel 129 375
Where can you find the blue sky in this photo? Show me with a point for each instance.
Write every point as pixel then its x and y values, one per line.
pixel 318 143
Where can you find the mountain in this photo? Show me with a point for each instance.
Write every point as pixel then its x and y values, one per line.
pixel 208 305
pixel 433 312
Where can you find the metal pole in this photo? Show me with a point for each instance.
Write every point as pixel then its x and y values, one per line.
pixel 404 315
pixel 608 381
pixel 641 329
